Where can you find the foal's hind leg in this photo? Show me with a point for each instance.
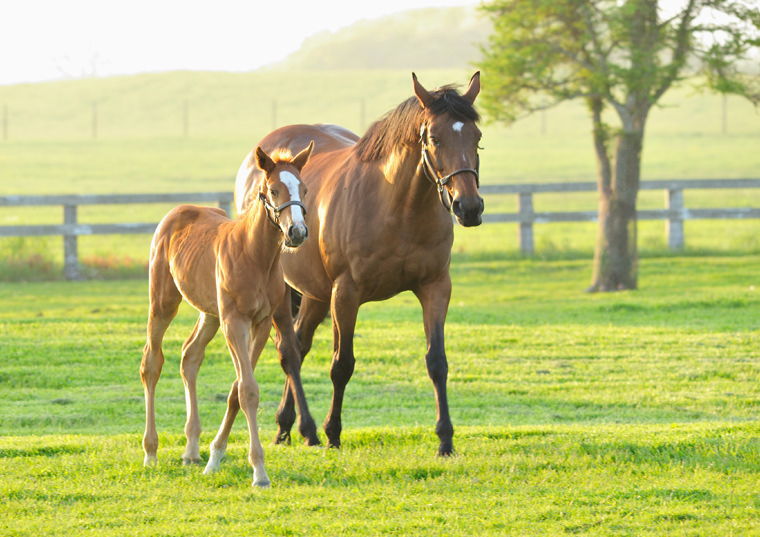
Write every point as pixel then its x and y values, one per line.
pixel 193 352
pixel 293 347
pixel 164 302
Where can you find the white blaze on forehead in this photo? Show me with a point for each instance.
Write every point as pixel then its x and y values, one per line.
pixel 458 126
pixel 292 183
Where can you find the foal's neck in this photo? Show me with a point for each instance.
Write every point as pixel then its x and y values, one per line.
pixel 262 238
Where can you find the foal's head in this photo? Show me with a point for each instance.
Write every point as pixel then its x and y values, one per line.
pixel 449 137
pixel 282 193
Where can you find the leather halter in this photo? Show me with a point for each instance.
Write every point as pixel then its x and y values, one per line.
pixel 434 176
pixel 274 212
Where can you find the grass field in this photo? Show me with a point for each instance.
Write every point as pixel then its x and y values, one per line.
pixel 631 413
pixel 614 414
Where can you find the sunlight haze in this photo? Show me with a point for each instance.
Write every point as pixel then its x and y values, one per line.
pixel 49 40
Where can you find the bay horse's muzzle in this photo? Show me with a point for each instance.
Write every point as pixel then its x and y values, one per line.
pixel 468 210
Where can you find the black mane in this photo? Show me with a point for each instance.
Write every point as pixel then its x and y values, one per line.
pixel 402 124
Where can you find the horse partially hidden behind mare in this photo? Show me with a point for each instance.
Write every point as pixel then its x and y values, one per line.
pixel 230 271
pixel 380 211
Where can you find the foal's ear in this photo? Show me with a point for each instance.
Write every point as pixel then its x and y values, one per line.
pixel 264 161
pixel 299 161
pixel 473 89
pixel 422 94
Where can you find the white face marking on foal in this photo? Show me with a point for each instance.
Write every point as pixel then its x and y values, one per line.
pixel 458 126
pixel 292 182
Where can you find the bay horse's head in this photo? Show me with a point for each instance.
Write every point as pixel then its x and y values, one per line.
pixel 282 191
pixel 449 137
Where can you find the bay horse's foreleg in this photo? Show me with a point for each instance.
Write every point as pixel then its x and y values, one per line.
pixel 290 361
pixel 164 302
pixel 293 347
pixel 193 352
pixel 434 299
pixel 344 309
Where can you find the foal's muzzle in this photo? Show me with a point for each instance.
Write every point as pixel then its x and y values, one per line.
pixel 296 234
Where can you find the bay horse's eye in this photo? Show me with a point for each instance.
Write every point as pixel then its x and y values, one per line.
pixel 274 192
pixel 435 141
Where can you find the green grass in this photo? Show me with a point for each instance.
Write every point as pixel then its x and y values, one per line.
pixel 606 414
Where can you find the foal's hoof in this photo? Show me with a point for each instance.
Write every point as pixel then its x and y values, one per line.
pixel 262 484
pixel 150 460
pixel 191 462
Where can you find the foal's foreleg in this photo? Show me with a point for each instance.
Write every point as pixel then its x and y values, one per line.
pixel 237 333
pixel 193 352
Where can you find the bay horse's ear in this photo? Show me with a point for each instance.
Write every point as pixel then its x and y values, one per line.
pixel 422 94
pixel 264 161
pixel 301 158
pixel 473 89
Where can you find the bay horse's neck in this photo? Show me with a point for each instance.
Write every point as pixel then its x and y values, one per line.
pixel 411 190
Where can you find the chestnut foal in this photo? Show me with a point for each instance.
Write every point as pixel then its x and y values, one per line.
pixel 229 270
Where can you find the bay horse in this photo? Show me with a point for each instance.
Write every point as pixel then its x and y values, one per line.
pixel 229 270
pixel 380 210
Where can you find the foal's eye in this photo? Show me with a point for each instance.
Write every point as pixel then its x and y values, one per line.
pixel 435 141
pixel 274 192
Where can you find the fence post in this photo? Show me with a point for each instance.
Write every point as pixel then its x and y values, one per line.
pixel 70 255
pixel 674 224
pixel 225 206
pixel 525 204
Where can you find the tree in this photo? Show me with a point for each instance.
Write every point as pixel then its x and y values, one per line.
pixel 618 55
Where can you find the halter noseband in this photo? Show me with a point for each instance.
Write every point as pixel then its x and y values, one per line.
pixel 274 212
pixel 434 176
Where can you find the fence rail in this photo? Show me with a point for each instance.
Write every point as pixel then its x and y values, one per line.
pixel 674 212
pixel 71 229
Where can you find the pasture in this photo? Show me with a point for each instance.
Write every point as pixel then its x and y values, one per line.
pixel 616 414
pixel 632 413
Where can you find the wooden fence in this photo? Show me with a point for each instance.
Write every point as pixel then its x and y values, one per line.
pixel 674 212
pixel 71 228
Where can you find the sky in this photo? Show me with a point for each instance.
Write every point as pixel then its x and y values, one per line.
pixel 56 39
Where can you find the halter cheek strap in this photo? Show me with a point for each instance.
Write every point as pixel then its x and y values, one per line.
pixel 434 176
pixel 274 212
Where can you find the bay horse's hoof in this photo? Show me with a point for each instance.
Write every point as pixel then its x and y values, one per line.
pixel 283 437
pixel 262 484
pixel 150 460
pixel 445 450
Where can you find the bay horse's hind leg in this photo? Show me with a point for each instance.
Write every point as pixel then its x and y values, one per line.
pixel 292 347
pixel 164 302
pixel 193 352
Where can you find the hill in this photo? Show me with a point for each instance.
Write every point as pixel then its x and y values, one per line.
pixel 435 38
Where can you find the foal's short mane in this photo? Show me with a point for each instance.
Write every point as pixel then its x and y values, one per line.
pixel 402 124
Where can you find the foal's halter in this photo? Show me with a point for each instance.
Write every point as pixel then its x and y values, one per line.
pixel 434 176
pixel 274 212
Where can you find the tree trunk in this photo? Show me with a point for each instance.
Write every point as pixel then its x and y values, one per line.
pixel 616 254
